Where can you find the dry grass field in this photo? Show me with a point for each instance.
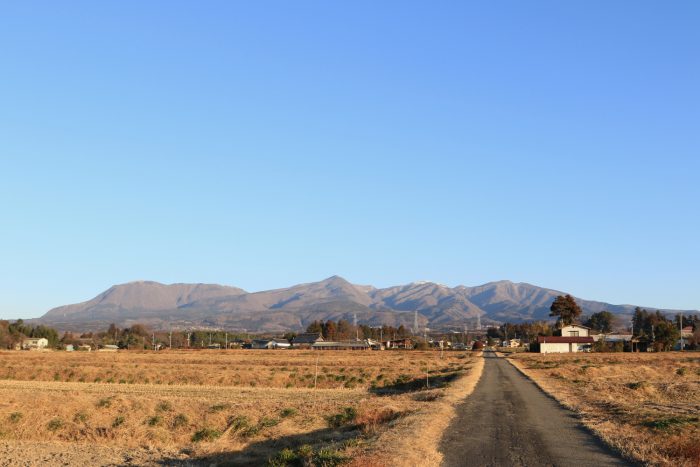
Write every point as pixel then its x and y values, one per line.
pixel 240 407
pixel 645 405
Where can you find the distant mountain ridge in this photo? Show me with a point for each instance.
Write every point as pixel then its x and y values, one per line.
pixel 210 305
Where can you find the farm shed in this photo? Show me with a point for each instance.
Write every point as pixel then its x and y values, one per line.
pixel 270 344
pixel 351 345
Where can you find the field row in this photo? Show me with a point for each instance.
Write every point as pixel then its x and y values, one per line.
pixel 278 369
pixel 196 412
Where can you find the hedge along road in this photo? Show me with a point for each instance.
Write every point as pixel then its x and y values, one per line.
pixel 509 421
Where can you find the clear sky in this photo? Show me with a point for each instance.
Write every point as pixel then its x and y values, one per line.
pixel 261 144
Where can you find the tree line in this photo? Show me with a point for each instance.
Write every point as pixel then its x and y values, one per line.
pixel 344 330
pixel 12 334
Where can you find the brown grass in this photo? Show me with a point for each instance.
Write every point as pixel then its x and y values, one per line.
pixel 645 405
pixel 415 438
pixel 204 403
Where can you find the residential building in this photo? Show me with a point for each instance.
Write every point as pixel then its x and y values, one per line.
pixel 564 344
pixel 306 340
pixel 35 343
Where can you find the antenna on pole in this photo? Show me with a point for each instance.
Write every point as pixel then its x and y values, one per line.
pixel 415 322
pixel 354 324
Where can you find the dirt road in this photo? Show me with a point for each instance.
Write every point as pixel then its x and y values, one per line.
pixel 508 421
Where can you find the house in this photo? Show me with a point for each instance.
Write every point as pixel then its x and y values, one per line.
pixel 347 345
pixel 683 342
pixel 108 348
pixel 85 348
pixel 270 344
pixel 512 343
pixel 399 344
pixel 574 330
pixel 306 340
pixel 35 343
pixel 564 344
pixel 375 345
pixel 69 348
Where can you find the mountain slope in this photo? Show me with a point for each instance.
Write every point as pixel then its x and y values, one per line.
pixel 292 308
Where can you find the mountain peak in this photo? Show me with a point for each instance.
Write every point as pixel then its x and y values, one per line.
pixel 293 308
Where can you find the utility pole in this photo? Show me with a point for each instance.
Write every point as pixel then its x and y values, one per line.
pixel 153 341
pixel 680 328
pixel 316 373
pixel 226 341
pixel 170 340
pixel 427 374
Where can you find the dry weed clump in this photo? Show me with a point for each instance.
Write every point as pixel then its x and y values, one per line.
pixel 224 403
pixel 639 403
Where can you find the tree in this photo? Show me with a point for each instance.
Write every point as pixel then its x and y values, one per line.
pixel 316 327
pixel 601 321
pixel 565 309
pixel 345 330
pixel 329 330
pixel 666 335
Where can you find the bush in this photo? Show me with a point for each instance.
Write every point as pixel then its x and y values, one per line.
pixel 154 420
pixel 205 434
pixel 15 417
pixel 180 420
pixel 219 407
pixel 288 412
pixel 104 403
pixel 283 458
pixel 164 406
pixel 671 422
pixel 55 424
pixel 238 423
pixel 348 415
pixel 327 457
pixel 80 417
pixel 266 422
pixel 118 421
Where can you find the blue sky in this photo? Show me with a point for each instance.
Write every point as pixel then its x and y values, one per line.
pixel 262 144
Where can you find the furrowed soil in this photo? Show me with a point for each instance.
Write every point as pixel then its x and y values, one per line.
pixel 232 407
pixel 646 405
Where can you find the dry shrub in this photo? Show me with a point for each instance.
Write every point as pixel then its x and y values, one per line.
pixel 681 447
pixel 372 421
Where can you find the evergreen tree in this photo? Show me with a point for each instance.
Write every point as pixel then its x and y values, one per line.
pixel 565 309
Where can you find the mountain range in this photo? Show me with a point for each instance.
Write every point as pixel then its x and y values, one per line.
pixel 180 306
